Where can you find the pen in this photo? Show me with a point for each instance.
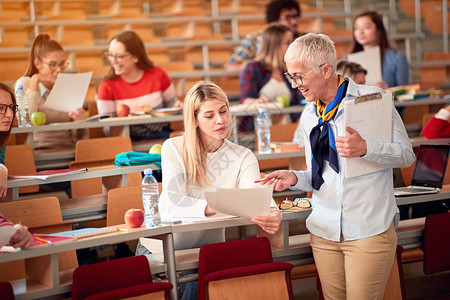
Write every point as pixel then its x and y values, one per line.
pixel 43 240
pixel 122 230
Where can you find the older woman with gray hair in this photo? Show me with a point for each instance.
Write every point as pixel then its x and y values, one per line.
pixel 353 220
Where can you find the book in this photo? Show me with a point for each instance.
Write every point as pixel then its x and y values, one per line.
pixel 87 232
pixel 43 175
pixel 42 239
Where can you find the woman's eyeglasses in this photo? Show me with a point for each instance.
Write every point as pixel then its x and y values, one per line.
pixel 53 65
pixel 4 108
pixel 118 57
pixel 299 203
pixel 289 17
pixel 298 79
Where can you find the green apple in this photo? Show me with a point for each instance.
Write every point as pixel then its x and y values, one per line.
pixel 283 100
pixel 155 149
pixel 38 118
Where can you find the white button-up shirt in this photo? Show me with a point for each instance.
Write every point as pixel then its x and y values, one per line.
pixel 361 206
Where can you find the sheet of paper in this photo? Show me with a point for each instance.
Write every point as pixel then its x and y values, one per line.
pixel 6 232
pixel 371 61
pixel 248 202
pixel 69 91
pixel 373 121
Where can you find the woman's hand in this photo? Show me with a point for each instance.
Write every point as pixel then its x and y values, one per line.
pixel 351 146
pixel 3 184
pixel 78 115
pixel 280 180
pixel 22 238
pixel 47 80
pixel 382 85
pixel 270 223
pixel 178 104
pixel 209 211
pixel 261 99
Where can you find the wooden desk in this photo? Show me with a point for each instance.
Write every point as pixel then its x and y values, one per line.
pixel 44 279
pixel 94 172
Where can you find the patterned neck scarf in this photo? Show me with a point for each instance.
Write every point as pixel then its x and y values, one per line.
pixel 322 139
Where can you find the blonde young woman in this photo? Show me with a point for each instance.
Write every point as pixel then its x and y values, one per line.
pixel 201 158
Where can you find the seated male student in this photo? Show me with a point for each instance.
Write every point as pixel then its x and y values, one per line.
pixel 286 12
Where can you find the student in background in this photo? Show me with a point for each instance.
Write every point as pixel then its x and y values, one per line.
pixel 352 223
pixel 439 125
pixel 262 79
pixel 369 32
pixel 352 70
pixel 45 61
pixel 8 109
pixel 286 12
pixel 135 81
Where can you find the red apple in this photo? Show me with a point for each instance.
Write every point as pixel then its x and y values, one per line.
pixel 122 110
pixel 134 217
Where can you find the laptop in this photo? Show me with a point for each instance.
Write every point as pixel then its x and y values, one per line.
pixel 429 171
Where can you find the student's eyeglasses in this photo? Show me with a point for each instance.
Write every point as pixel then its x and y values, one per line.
pixel 298 79
pixel 300 203
pixel 53 65
pixel 117 57
pixel 4 108
pixel 289 17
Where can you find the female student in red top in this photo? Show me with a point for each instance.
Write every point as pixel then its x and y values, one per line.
pixel 135 81
pixel 439 125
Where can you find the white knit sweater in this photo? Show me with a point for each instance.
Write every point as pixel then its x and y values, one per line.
pixel 231 166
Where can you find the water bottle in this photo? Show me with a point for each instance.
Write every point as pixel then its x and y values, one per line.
pixel 23 115
pixel 150 199
pixel 263 123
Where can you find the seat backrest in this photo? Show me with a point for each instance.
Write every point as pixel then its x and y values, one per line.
pixel 122 199
pixel 110 275
pixel 100 152
pixel 436 254
pixel 395 286
pixel 40 215
pixel 232 254
pixel 6 291
pixel 119 201
pixel 20 160
pixel 102 148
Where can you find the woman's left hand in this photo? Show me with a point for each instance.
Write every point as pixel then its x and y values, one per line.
pixel 178 104
pixel 78 115
pixel 3 184
pixel 351 146
pixel 382 85
pixel 270 223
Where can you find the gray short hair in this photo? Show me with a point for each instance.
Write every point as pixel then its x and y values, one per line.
pixel 312 50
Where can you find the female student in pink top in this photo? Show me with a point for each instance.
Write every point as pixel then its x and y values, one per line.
pixel 135 81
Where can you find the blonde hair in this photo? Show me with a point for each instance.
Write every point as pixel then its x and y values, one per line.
pixel 312 50
pixel 194 148
pixel 268 52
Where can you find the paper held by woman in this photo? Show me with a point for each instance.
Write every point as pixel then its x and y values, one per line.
pixel 248 202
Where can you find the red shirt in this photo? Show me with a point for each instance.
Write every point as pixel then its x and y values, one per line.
pixel 436 128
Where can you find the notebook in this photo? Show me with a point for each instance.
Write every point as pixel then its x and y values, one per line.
pixel 87 232
pixel 429 171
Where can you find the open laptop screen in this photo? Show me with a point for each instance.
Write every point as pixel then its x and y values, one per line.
pixel 431 165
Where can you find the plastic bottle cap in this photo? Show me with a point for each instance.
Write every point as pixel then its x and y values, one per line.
pixel 262 111
pixel 148 172
pixel 20 87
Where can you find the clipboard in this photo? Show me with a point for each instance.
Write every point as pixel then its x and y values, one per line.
pixel 371 116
